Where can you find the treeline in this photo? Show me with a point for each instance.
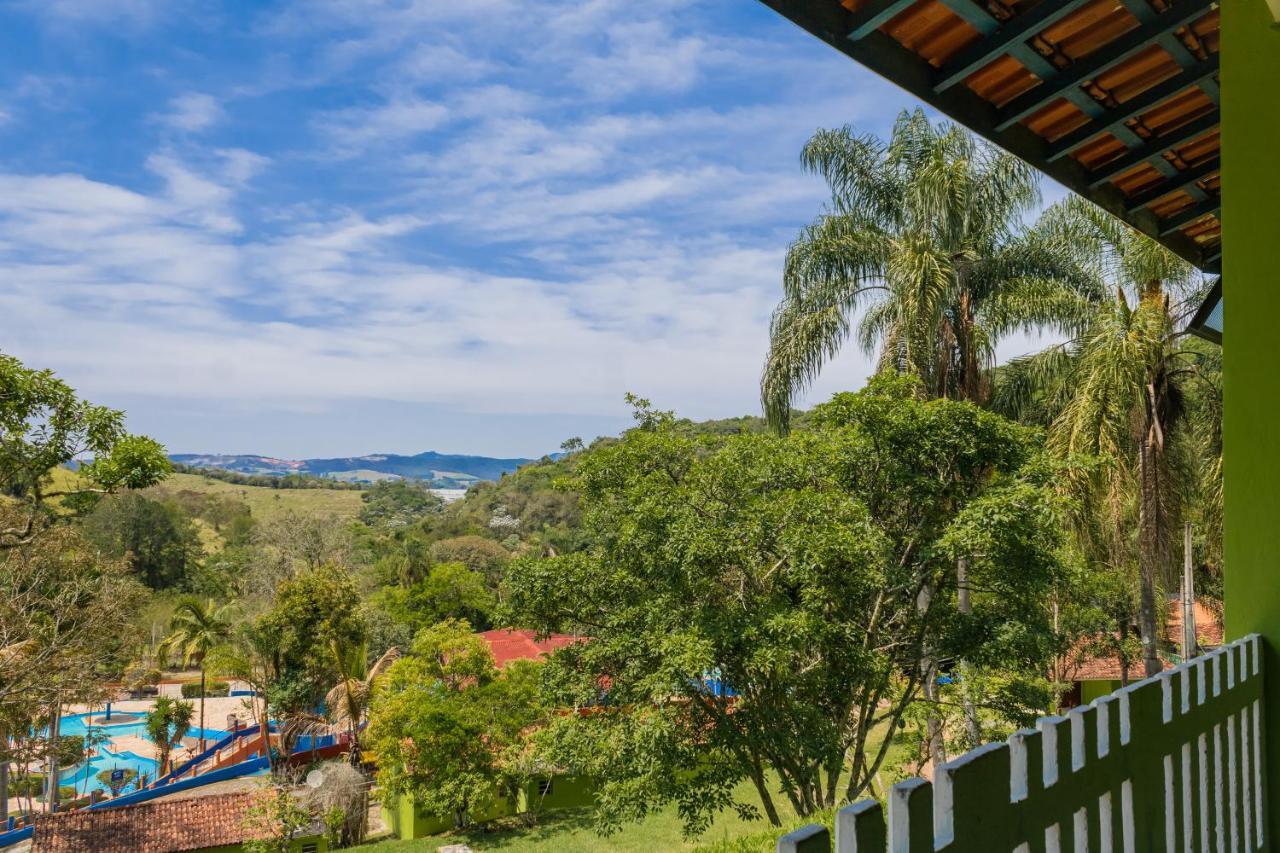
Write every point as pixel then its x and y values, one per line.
pixel 270 481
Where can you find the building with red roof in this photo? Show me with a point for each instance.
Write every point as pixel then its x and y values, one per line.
pixel 508 644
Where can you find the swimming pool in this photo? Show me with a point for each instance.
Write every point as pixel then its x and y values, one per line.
pixel 76 724
pixel 85 778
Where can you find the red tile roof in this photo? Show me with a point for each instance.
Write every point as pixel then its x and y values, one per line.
pixel 508 645
pixel 1208 631
pixel 166 826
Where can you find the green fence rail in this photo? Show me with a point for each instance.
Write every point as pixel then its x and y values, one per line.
pixel 1172 763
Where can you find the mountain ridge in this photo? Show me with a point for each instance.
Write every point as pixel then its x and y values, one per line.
pixel 440 470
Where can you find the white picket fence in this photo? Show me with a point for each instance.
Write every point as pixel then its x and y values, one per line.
pixel 1173 763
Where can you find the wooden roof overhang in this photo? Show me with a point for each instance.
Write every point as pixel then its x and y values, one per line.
pixel 1115 99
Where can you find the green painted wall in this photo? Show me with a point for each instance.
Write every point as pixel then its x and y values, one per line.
pixel 410 822
pixel 1251 351
pixel 566 792
pixel 1090 690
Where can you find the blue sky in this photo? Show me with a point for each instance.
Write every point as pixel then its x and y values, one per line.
pixel 328 227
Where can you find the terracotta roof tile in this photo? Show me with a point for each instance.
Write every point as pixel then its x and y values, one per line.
pixel 508 645
pixel 158 827
pixel 1208 631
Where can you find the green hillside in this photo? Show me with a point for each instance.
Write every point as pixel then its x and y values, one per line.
pixel 265 503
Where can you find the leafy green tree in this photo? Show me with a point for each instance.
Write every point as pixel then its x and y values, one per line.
pixel 44 426
pixel 476 553
pixel 449 591
pixel 313 612
pixel 1117 390
pixel 196 629
pixel 157 538
pixel 398 503
pixel 812 573
pixel 167 723
pixel 925 233
pixel 443 718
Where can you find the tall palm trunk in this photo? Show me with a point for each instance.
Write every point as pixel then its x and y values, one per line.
pixel 1149 552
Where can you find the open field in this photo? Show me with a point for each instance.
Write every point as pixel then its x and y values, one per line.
pixel 266 503
pixel 262 501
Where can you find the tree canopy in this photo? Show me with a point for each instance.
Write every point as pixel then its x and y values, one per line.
pixel 811 573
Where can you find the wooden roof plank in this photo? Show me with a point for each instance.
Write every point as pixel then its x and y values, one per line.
pixel 1184 179
pixel 1015 31
pixel 1154 148
pixel 1193 76
pixel 875 15
pixel 1100 60
pixel 831 23
pixel 1185 217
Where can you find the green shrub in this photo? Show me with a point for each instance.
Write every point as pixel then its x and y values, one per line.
pixel 29 784
pixel 213 688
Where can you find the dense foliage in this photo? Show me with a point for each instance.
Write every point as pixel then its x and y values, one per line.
pixel 813 574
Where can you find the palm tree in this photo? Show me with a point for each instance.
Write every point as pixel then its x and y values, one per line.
pixel 925 233
pixel 1116 389
pixel 167 724
pixel 348 700
pixel 197 628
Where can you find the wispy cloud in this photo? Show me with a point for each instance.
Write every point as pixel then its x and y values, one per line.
pixel 490 206
pixel 191 112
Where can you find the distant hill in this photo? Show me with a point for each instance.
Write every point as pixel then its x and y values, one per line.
pixel 441 470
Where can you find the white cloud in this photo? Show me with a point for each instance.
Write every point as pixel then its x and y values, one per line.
pixel 192 112
pixel 133 12
pixel 491 205
pixel 350 131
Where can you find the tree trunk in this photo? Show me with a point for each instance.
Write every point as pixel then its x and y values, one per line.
pixel 4 779
pixel 1148 557
pixel 55 732
pixel 202 692
pixel 1124 661
pixel 966 688
pixel 1189 639
pixel 936 746
pixel 766 799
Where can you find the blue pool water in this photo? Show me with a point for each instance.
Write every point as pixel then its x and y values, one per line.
pixel 84 777
pixel 77 724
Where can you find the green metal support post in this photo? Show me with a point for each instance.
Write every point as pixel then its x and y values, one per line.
pixel 1251 357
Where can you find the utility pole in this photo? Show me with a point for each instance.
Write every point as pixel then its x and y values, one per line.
pixel 1188 597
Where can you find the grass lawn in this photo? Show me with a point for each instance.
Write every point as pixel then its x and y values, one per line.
pixel 263 502
pixel 570 831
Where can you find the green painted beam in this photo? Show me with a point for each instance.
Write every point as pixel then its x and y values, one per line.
pixel 1183 180
pixel 1013 32
pixel 973 14
pixel 1196 75
pixel 1180 220
pixel 875 15
pixel 1100 60
pixel 1154 148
